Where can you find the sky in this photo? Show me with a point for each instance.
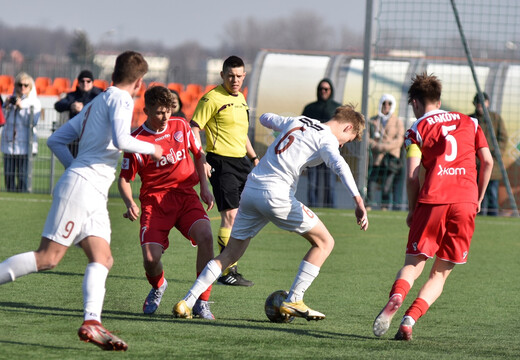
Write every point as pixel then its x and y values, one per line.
pixel 172 22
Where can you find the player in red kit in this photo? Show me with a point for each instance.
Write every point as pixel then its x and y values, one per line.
pixel 167 196
pixel 442 204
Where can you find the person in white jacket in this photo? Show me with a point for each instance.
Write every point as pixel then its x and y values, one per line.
pixel 22 112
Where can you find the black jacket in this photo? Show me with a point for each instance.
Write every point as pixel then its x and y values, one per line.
pixel 78 95
pixel 322 110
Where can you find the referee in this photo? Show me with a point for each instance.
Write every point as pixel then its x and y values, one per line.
pixel 224 115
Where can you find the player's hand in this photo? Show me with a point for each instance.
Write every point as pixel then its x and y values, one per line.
pixel 158 153
pixel 132 213
pixel 207 197
pixel 362 219
pixel 208 170
pixel 409 218
pixel 363 223
pixel 361 213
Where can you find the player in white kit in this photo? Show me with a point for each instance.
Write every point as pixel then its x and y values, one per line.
pixel 269 195
pixel 78 213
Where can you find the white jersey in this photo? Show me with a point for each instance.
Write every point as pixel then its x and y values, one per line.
pixel 103 129
pixel 302 143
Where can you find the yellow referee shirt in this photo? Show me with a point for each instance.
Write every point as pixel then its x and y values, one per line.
pixel 225 119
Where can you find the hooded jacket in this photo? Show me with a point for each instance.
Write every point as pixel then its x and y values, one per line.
pixel 322 110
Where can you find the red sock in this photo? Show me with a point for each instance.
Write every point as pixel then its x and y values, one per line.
pixel 400 286
pixel 205 295
pixel 156 281
pixel 419 308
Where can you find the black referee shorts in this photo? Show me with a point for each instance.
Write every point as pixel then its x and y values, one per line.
pixel 228 178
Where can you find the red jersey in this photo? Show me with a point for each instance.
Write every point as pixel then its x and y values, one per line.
pixel 448 142
pixel 175 169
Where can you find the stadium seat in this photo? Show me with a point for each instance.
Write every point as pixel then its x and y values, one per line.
pixel 100 83
pixel 62 84
pixel 156 83
pixel 138 117
pixel 6 84
pixel 209 87
pixel 41 83
pixel 192 93
pixel 142 89
pixel 194 90
pixel 50 90
pixel 176 86
pixel 74 84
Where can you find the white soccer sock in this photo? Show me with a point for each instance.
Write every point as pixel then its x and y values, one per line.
pixel 16 266
pixel 207 277
pixel 307 272
pixel 94 290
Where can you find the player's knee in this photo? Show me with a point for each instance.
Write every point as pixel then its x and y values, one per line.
pixel 46 260
pixel 205 240
pixel 326 244
pixel 330 245
pixel 150 263
pixel 110 262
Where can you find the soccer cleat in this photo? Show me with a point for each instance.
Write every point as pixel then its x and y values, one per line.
pixel 299 309
pixel 405 329
pixel 234 278
pixel 383 320
pixel 92 331
pixel 151 304
pixel 181 310
pixel 202 310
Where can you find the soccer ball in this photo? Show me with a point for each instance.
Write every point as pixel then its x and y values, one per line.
pixel 272 307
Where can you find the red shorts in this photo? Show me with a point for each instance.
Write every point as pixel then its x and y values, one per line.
pixel 161 212
pixel 442 230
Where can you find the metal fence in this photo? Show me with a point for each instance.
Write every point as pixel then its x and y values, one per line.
pixel 44 169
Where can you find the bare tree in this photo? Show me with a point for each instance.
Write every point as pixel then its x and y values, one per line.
pixel 81 50
pixel 303 30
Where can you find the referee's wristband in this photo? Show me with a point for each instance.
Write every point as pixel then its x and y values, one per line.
pixel 253 158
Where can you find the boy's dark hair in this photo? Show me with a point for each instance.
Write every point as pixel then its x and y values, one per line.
pixel 158 95
pixel 129 67
pixel 232 62
pixel 425 88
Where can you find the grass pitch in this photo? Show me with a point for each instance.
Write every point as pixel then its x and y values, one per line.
pixel 475 318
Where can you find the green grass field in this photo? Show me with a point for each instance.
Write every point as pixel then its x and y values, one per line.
pixel 477 316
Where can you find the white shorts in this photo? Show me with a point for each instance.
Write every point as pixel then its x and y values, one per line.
pixel 258 207
pixel 78 210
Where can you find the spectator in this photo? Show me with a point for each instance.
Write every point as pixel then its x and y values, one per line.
pixel 74 101
pixel 177 105
pixel 322 110
pixel 386 139
pixel 490 202
pixel 22 112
